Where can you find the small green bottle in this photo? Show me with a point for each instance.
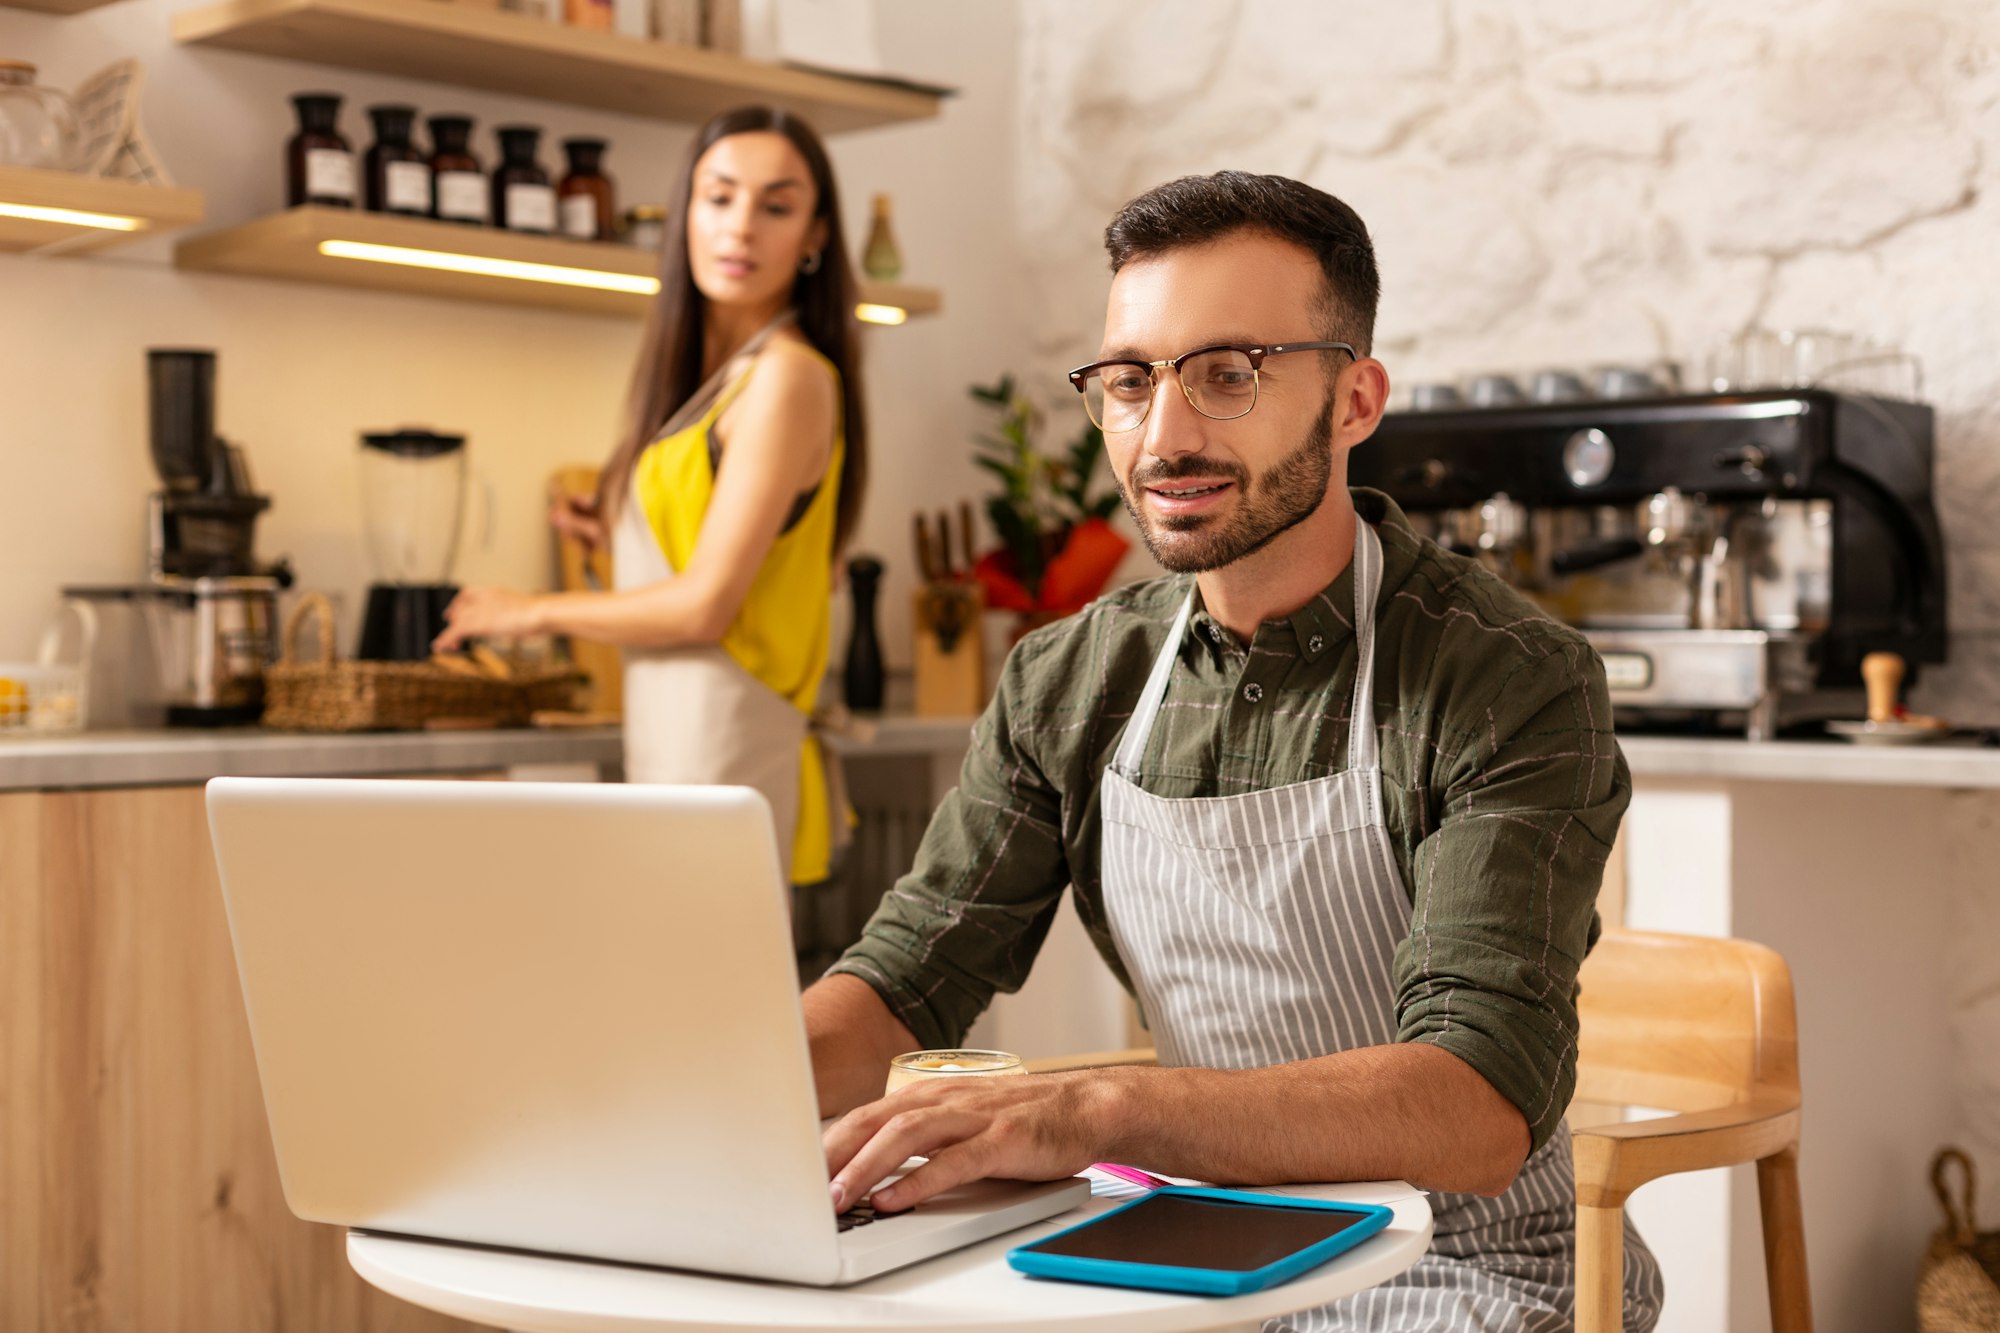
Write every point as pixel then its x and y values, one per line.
pixel 881 259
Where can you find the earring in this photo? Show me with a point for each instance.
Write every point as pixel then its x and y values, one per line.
pixel 810 264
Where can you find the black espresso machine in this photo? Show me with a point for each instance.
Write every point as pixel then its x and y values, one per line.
pixel 1731 556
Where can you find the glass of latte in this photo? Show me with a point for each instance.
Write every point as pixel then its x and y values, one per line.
pixel 906 1069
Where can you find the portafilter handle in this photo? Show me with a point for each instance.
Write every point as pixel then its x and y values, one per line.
pixel 1883 674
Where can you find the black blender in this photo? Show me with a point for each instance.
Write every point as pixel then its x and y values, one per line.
pixel 413 501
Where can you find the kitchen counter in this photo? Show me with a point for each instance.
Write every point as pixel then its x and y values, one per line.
pixel 176 757
pixel 1947 763
pixel 170 757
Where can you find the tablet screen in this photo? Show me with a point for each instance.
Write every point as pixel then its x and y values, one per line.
pixel 1181 1232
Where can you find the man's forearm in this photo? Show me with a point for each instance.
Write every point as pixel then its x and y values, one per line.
pixel 1401 1112
pixel 853 1036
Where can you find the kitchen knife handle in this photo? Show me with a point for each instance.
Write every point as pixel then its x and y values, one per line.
pixel 926 556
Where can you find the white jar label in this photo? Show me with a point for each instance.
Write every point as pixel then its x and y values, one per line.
pixel 329 174
pixel 579 217
pixel 531 208
pixel 461 196
pixel 407 187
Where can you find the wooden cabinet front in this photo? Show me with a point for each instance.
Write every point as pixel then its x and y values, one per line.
pixel 138 1191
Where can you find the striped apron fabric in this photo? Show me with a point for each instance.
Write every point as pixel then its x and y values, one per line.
pixel 1262 928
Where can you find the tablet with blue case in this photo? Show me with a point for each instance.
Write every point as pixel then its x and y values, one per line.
pixel 1208 1242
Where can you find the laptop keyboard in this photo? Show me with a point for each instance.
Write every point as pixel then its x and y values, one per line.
pixel 863 1214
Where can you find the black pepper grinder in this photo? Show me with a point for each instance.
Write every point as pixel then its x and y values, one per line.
pixel 319 161
pixel 397 178
pixel 523 199
pixel 861 682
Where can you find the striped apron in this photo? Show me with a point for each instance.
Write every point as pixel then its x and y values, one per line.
pixel 1262 928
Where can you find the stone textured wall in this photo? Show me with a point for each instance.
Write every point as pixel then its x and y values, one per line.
pixel 1551 183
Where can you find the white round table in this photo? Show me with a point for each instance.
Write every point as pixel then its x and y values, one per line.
pixel 967 1291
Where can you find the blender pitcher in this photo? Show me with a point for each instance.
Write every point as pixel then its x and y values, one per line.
pixel 413 503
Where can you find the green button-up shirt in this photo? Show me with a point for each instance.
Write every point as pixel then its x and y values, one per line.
pixel 1502 790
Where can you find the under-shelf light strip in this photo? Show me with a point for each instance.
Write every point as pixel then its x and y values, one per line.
pixel 632 283
pixel 71 217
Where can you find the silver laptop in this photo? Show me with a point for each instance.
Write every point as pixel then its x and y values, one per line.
pixel 556 1017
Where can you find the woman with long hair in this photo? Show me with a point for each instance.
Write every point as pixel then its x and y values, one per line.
pixel 737 477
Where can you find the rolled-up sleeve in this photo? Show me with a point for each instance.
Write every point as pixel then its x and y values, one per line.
pixel 971 915
pixel 1505 887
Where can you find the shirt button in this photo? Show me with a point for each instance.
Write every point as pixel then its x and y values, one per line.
pixel 1253 692
pixel 1315 643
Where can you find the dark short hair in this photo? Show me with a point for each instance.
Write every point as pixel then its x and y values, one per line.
pixel 1195 210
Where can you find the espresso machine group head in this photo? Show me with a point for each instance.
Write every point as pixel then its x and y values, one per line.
pixel 1731 556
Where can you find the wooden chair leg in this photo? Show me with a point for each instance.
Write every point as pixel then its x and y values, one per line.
pixel 1784 1241
pixel 1600 1269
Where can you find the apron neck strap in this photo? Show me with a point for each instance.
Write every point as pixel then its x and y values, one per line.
pixel 1362 750
pixel 725 374
pixel 1133 744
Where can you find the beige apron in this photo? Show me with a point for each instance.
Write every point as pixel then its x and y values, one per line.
pixel 693 715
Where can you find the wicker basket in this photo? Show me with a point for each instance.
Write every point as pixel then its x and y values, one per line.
pixel 330 695
pixel 1959 1291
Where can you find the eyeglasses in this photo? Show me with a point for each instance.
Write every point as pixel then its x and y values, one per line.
pixel 1220 382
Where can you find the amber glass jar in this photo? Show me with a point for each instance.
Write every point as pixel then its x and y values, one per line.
pixel 523 199
pixel 319 161
pixel 396 177
pixel 586 199
pixel 458 182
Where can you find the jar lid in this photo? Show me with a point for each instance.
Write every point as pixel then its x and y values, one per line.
pixel 646 213
pixel 413 442
pixel 16 71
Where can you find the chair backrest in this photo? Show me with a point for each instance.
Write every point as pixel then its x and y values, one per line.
pixel 1684 1023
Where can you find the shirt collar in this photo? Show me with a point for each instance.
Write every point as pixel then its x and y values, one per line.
pixel 1326 622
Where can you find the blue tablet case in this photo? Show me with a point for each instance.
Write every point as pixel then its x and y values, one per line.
pixel 1202 1281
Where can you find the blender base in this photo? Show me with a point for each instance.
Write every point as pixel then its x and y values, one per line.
pixel 401 619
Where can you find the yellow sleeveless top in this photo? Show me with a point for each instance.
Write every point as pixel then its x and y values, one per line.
pixel 781 635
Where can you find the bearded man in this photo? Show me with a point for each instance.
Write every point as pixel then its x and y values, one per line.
pixel 1334 804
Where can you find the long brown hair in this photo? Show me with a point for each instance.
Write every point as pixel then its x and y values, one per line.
pixel 670 351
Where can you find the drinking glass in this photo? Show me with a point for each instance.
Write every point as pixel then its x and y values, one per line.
pixel 917 1065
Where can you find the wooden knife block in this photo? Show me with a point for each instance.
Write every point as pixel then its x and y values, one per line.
pixel 953 683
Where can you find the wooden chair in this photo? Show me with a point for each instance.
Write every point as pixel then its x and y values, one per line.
pixel 1701 1027
pixel 1704 1028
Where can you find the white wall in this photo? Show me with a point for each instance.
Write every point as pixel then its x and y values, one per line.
pixel 1551 183
pixel 304 369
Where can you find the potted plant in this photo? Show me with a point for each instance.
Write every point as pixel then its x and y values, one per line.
pixel 1057 548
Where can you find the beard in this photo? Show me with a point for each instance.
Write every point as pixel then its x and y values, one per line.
pixel 1280 498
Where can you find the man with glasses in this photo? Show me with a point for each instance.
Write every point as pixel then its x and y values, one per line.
pixel 1334 803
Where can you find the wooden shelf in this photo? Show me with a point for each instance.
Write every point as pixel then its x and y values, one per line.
pixel 502 52
pixel 290 245
pixel 56 6
pixel 151 207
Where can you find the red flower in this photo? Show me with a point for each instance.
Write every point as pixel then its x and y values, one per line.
pixel 1077 574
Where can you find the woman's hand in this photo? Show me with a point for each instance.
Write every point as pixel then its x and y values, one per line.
pixel 576 517
pixel 488 613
